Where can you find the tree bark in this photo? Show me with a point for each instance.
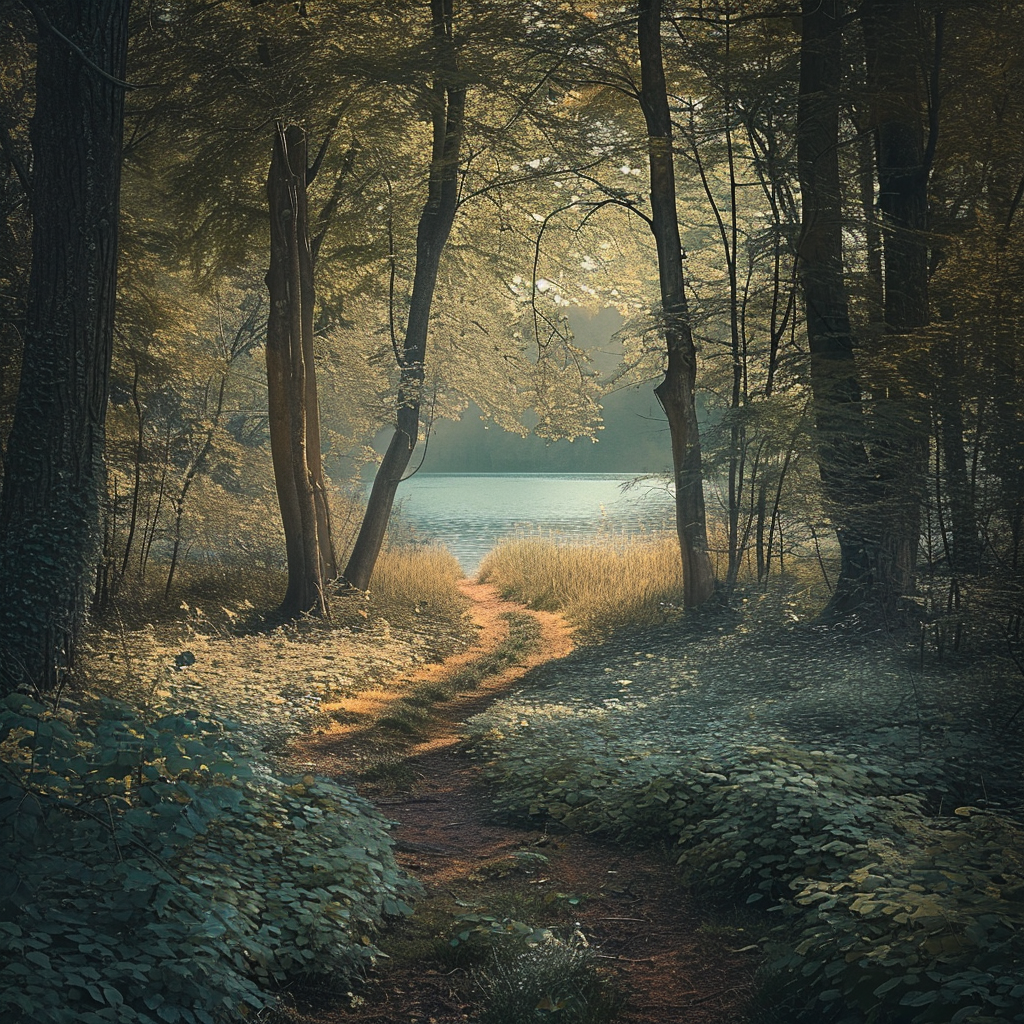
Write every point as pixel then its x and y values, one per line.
pixel 50 506
pixel 892 43
pixel 838 414
pixel 676 391
pixel 293 407
pixel 448 109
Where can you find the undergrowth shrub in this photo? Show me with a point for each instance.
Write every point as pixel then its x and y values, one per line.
pixel 746 818
pixel 910 918
pixel 148 874
pixel 932 929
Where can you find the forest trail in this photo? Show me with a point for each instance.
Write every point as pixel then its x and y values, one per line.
pixel 628 906
pixel 345 746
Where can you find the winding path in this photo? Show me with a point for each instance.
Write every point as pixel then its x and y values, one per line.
pixel 629 905
pixel 343 746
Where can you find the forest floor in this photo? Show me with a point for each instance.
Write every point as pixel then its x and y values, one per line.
pixel 385 708
pixel 628 907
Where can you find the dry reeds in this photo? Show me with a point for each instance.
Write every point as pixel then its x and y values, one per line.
pixel 415 579
pixel 598 585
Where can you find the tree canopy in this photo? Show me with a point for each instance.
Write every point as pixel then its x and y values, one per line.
pixel 845 185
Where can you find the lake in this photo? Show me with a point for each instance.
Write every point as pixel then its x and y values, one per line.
pixel 471 512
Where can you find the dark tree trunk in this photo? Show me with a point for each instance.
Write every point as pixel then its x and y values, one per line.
pixel 140 451
pixel 294 415
pixel 892 37
pixel 838 415
pixel 448 108
pixel 676 391
pixel 49 512
pixel 965 548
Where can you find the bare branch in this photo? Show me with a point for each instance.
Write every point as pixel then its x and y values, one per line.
pixel 45 25
pixel 11 153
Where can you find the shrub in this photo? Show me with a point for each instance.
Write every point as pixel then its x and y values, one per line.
pixel 910 918
pixel 746 817
pixel 927 932
pixel 150 875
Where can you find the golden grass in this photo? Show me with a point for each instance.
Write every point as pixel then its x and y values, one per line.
pixel 411 583
pixel 413 580
pixel 612 581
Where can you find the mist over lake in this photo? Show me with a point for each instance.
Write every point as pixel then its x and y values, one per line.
pixel 471 512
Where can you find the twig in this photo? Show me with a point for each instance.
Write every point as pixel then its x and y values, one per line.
pixel 712 995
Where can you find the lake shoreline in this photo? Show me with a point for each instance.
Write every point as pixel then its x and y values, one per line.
pixel 470 513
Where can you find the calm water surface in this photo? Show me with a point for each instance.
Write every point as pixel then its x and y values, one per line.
pixel 470 512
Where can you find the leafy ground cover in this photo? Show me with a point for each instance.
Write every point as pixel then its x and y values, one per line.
pixel 151 874
pixel 873 804
pixel 158 864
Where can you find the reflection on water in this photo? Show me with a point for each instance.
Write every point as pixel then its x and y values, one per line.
pixel 470 512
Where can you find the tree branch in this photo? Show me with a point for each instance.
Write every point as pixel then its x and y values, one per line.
pixel 10 151
pixel 45 25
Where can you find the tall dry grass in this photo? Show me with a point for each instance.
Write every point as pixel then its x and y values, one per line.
pixel 612 581
pixel 415 580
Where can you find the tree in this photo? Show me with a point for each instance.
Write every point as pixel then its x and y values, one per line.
pixel 838 413
pixel 294 410
pixel 209 143
pixel 447 101
pixel 737 121
pixel 15 219
pixel 676 391
pixel 49 508
pixel 904 119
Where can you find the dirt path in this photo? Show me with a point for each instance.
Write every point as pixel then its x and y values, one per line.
pixel 348 746
pixel 628 906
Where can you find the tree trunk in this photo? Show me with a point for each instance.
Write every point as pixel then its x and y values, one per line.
pixel 49 512
pixel 892 45
pixel 294 416
pixel 192 470
pixel 448 109
pixel 838 415
pixel 676 391
pixel 140 450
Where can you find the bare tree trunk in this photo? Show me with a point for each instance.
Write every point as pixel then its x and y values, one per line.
pixel 676 391
pixel 448 109
pixel 49 512
pixel 294 417
pixel 314 459
pixel 965 548
pixel 191 471
pixel 838 415
pixel 149 528
pixel 892 37
pixel 140 443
